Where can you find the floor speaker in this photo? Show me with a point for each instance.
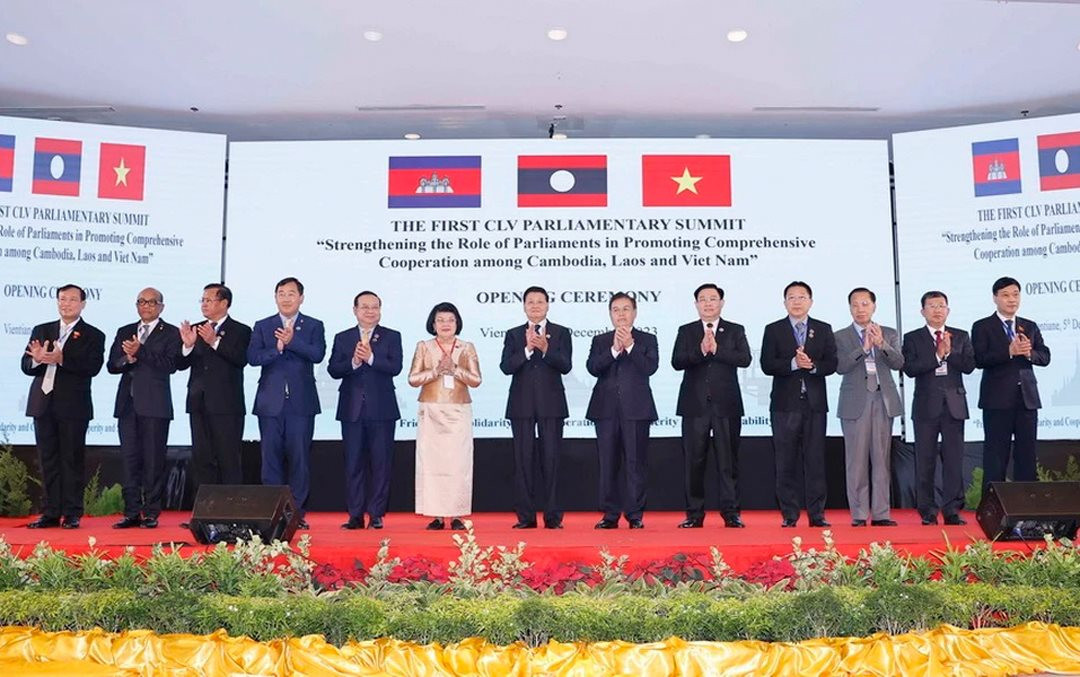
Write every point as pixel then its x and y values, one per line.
pixel 1027 510
pixel 226 513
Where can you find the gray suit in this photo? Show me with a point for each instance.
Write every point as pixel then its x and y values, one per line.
pixel 867 406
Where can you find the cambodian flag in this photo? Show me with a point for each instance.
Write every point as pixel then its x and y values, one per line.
pixel 57 166
pixel 445 181
pixel 996 166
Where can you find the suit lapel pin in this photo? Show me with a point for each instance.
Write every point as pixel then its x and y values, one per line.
pixel 810 334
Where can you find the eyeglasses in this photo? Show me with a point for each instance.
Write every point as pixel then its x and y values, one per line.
pixel 146 302
pixel 364 306
pixel 206 300
pixel 936 306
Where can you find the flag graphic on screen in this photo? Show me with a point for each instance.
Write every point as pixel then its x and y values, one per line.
pixel 686 180
pixel 1059 161
pixel 562 181
pixel 996 166
pixel 57 166
pixel 121 171
pixel 445 181
pixel 7 162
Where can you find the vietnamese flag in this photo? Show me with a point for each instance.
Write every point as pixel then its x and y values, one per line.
pixel 686 180
pixel 121 171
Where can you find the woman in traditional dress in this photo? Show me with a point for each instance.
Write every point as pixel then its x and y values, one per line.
pixel 444 368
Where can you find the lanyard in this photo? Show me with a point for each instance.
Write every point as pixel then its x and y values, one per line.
pixel 446 353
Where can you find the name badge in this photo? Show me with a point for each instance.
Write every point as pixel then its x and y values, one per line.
pixel 448 381
pixel 942 370
pixel 871 367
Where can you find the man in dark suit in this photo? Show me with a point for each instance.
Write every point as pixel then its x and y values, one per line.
pixel 622 408
pixel 144 353
pixel 937 357
pixel 1006 349
pixel 287 345
pixel 709 352
pixel 216 352
pixel 366 358
pixel 799 352
pixel 536 355
pixel 62 356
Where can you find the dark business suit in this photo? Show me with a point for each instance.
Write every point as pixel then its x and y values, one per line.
pixel 62 416
pixel 1009 397
pixel 622 408
pixel 368 411
pixel 711 406
pixel 798 407
pixel 537 402
pixel 940 408
pixel 144 409
pixel 286 401
pixel 215 402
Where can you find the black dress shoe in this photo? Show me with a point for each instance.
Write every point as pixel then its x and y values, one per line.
pixel 553 525
pixel 819 522
pixel 928 521
pixel 858 523
pixel 44 523
pixel 457 525
pixel 302 524
pixel 70 523
pixel 606 524
pixel 692 523
pixel 637 524
pixel 128 523
pixel 883 523
pixel 354 523
pixel 733 522
pixel 524 525
pixel 376 523
pixel 955 520
pixel 150 523
pixel 185 525
pixel 435 525
pixel 788 524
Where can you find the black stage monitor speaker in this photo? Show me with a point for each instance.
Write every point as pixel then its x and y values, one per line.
pixel 231 512
pixel 1012 511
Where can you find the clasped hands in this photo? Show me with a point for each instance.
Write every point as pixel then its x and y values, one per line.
pixel 1020 346
pixel 283 335
pixel 624 339
pixel 534 341
pixel 45 353
pixel 445 367
pixel 872 337
pixel 361 353
pixel 189 334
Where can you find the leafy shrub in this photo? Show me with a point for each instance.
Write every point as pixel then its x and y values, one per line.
pixel 14 483
pixel 98 500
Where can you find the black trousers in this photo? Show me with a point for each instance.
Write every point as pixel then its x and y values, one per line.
pixel 215 448
pixel 61 447
pixel 622 449
pixel 799 446
pixel 142 444
pixel 720 435
pixel 951 455
pixel 537 444
pixel 1009 432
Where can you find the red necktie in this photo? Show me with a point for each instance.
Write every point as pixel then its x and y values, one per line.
pixel 937 339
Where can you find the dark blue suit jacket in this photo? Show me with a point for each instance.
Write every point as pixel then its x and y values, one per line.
pixel 934 393
pixel 778 347
pixel 216 384
pixel 622 384
pixel 367 392
pixel 710 382
pixel 1002 373
pixel 84 352
pixel 145 384
pixel 536 387
pixel 295 366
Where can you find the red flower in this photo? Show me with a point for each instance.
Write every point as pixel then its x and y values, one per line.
pixel 418 569
pixel 771 572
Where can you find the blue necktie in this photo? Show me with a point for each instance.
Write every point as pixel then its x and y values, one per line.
pixel 1009 329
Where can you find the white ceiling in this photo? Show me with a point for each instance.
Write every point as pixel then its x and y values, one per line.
pixel 299 69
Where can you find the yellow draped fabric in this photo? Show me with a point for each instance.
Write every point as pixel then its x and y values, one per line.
pixel 1035 647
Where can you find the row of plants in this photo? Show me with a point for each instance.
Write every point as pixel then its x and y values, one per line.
pixel 256 569
pixel 422 615
pixel 15 479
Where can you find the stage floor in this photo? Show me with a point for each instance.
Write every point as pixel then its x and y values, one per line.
pixel 577 541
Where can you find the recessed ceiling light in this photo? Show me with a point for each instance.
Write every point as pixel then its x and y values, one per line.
pixel 17 39
pixel 703 136
pixel 373 36
pixel 412 136
pixel 736 35
pixel 558 136
pixel 557 34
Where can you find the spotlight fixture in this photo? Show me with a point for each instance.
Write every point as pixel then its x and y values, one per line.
pixel 17 39
pixel 551 131
pixel 373 36
pixel 737 35
pixel 412 136
pixel 558 136
pixel 557 34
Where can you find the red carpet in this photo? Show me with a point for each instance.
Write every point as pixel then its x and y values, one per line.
pixel 577 541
